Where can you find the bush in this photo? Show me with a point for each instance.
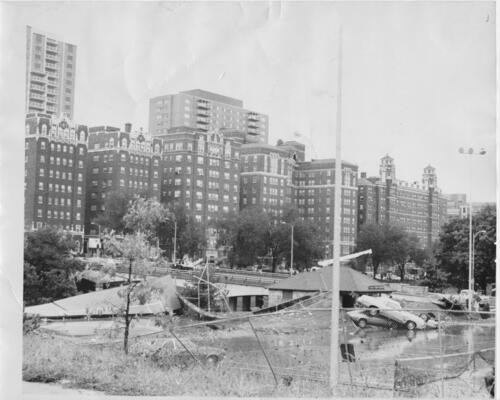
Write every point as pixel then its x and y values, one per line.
pixel 30 323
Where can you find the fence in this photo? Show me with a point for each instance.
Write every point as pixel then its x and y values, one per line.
pixel 384 357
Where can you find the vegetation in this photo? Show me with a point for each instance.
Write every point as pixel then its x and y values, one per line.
pixel 141 373
pixel 49 266
pixel 253 234
pixel 134 249
pixel 115 208
pixel 452 253
pixel 391 244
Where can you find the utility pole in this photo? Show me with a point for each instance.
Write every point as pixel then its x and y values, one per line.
pixel 291 253
pixel 334 340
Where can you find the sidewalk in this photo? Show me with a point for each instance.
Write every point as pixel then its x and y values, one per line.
pixel 36 390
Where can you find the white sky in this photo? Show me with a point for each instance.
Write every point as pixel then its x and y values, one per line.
pixel 419 78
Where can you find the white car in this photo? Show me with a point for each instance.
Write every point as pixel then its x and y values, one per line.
pixel 391 310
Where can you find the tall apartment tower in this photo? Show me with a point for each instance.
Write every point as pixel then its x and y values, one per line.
pixel 50 75
pixel 205 111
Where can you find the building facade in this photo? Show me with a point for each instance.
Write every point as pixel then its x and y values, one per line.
pixel 50 75
pixel 266 178
pixel 205 111
pixel 201 171
pixel 314 189
pixel 119 161
pixel 54 186
pixel 418 207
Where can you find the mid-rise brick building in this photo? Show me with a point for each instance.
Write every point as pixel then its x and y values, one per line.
pixel 54 195
pixel 201 170
pixel 266 177
pixel 119 160
pixel 314 192
pixel 418 207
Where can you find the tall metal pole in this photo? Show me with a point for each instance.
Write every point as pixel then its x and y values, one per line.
pixel 334 341
pixel 291 253
pixel 175 241
pixel 470 254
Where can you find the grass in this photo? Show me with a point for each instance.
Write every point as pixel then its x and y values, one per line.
pixel 56 359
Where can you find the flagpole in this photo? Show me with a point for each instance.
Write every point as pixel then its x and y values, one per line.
pixel 334 341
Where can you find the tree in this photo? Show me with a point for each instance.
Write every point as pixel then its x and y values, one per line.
pixel 402 248
pixel 49 266
pixel 146 216
pixel 115 208
pixel 134 249
pixel 308 245
pixel 452 253
pixel 374 237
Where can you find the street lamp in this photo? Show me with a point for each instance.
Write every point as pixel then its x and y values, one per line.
pixel 471 152
pixel 473 256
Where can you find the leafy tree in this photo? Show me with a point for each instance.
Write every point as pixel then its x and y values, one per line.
pixel 307 245
pixel 146 216
pixel 115 208
pixel 49 266
pixel 452 253
pixel 134 249
pixel 374 237
pixel 402 248
pixel 190 234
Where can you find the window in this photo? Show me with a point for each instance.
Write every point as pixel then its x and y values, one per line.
pixel 42 159
pixel 95 170
pixel 80 151
pixel 70 162
pixel 80 164
pixel 79 190
pixel 200 160
pixel 199 171
pixel 39 213
pixel 42 172
pixel 78 216
pixel 177 193
pixel 199 183
pixel 122 182
pixel 40 185
pixel 40 199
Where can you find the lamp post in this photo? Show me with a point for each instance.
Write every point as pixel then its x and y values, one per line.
pixel 473 255
pixel 470 152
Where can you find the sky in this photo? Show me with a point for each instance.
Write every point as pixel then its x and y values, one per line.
pixel 418 81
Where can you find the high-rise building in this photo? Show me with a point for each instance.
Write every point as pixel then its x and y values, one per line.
pixel 205 111
pixel 419 208
pixel 50 75
pixel 314 192
pixel 54 187
pixel 119 161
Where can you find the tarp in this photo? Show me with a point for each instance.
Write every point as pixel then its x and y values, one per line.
pixel 109 301
pixel 321 280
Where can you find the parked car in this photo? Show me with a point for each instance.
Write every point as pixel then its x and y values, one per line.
pixel 391 310
pixel 364 318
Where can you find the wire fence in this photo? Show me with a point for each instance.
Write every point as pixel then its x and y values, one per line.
pixel 411 352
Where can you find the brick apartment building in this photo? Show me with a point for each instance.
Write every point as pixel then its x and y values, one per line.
pixel 419 207
pixel 54 185
pixel 205 111
pixel 314 188
pixel 266 177
pixel 201 170
pixel 119 160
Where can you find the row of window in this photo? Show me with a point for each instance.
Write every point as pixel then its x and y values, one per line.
pixel 56 187
pixel 61 174
pixel 58 161
pixel 57 147
pixel 56 201
pixel 57 215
